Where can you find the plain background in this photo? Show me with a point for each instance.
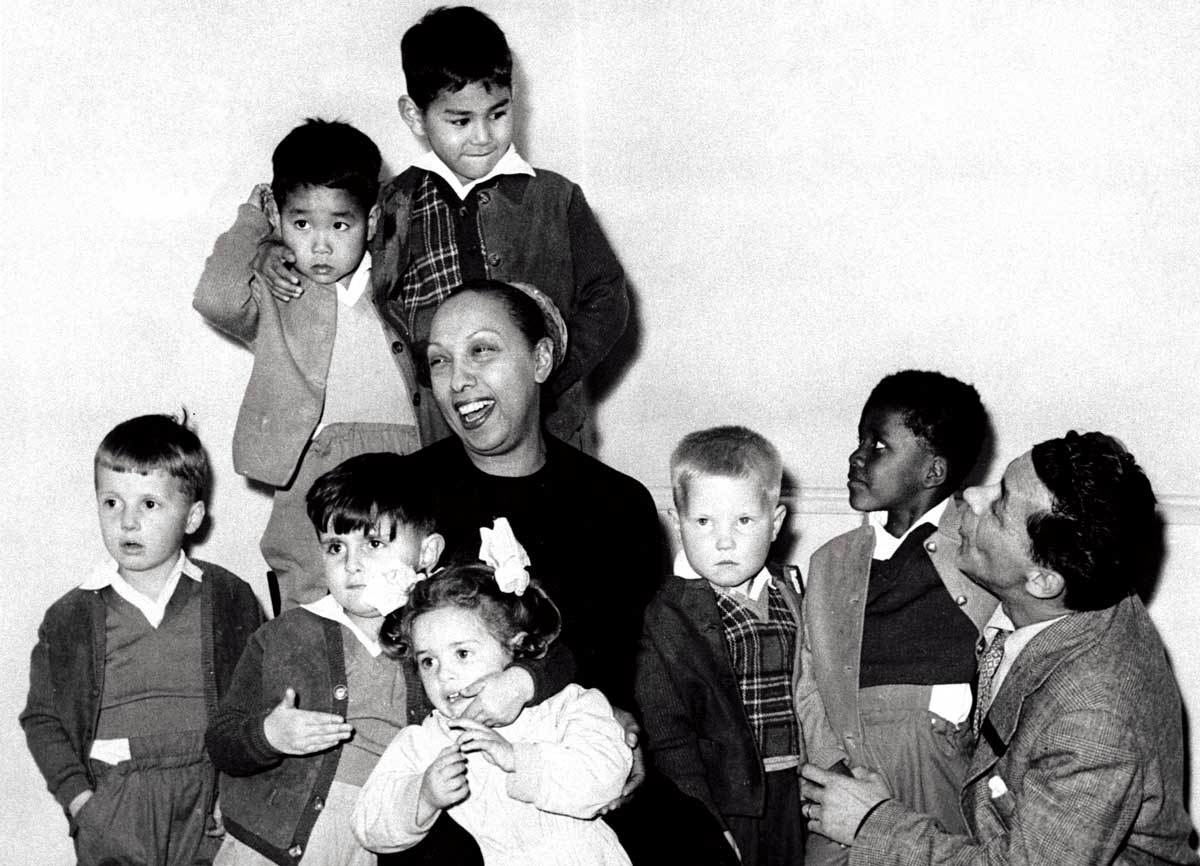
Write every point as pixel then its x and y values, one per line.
pixel 806 196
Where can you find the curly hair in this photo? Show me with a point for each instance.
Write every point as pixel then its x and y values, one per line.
pixel 943 411
pixel 1102 518
pixel 527 624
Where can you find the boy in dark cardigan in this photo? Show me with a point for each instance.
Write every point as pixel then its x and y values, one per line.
pixel 718 672
pixel 130 665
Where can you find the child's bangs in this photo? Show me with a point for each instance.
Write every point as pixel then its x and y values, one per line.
pixel 345 519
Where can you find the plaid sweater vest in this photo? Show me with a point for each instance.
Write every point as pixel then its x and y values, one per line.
pixel 761 652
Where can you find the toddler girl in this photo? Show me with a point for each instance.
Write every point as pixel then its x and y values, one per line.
pixel 528 792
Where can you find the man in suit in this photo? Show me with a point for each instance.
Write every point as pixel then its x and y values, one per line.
pixel 1080 752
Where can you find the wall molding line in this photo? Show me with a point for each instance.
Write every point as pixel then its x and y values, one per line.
pixel 1176 509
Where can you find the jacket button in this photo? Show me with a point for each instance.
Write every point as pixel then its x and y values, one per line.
pixel 318 804
pixel 931 546
pixel 848 668
pixel 397 347
pixel 462 211
pixel 416 399
pixel 854 599
pixel 494 259
pixel 960 600
pixel 340 693
pixel 485 197
pixel 295 851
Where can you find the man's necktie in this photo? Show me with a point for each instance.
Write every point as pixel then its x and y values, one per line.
pixel 989 663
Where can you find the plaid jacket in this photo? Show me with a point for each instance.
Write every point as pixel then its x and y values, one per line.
pixel 1080 761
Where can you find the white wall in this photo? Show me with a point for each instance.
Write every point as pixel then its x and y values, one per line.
pixel 806 197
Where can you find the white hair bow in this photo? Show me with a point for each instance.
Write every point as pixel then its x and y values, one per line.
pixel 499 548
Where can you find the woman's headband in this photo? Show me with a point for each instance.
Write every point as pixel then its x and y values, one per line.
pixel 556 326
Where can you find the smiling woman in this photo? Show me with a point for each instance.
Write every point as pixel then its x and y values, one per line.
pixel 592 533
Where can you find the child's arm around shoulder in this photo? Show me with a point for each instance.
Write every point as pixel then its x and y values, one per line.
pixel 228 294
pixel 55 753
pixel 583 767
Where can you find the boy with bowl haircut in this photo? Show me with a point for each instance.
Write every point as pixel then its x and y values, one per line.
pixel 718 670
pixel 313 703
pixel 892 623
pixel 472 208
pixel 129 665
pixel 331 378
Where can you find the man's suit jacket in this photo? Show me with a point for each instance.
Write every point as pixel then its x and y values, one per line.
pixel 1080 760
pixel 835 600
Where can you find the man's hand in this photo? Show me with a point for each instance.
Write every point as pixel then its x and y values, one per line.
pixel 477 737
pixel 837 805
pixel 443 785
pixel 303 732
pixel 637 773
pixel 78 800
pixel 499 697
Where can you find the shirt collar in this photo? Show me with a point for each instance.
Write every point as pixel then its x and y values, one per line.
pixel 1016 642
pixel 328 608
pixel 349 291
pixel 887 544
pixel 752 589
pixel 510 163
pixel 107 573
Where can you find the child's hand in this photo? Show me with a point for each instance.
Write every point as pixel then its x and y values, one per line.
pixel 303 732
pixel 444 783
pixel 262 198
pixel 476 737
pixel 499 697
pixel 272 268
pixel 637 773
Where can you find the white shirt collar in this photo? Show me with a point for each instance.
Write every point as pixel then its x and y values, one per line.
pixel 510 163
pixel 752 589
pixel 328 608
pixel 1017 640
pixel 887 544
pixel 107 573
pixel 349 291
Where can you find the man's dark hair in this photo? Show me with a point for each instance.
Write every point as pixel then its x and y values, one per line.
pixel 359 493
pixel 1101 522
pixel 450 48
pixel 939 409
pixel 327 153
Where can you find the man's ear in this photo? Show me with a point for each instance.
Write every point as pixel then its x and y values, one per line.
pixel 936 471
pixel 543 360
pixel 777 520
pixel 195 517
pixel 517 640
pixel 431 552
pixel 372 220
pixel 1045 584
pixel 412 116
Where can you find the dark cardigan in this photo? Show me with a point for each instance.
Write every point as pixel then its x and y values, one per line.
pixel 269 800
pixel 66 674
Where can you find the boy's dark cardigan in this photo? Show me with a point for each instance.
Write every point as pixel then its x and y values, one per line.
pixel 66 675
